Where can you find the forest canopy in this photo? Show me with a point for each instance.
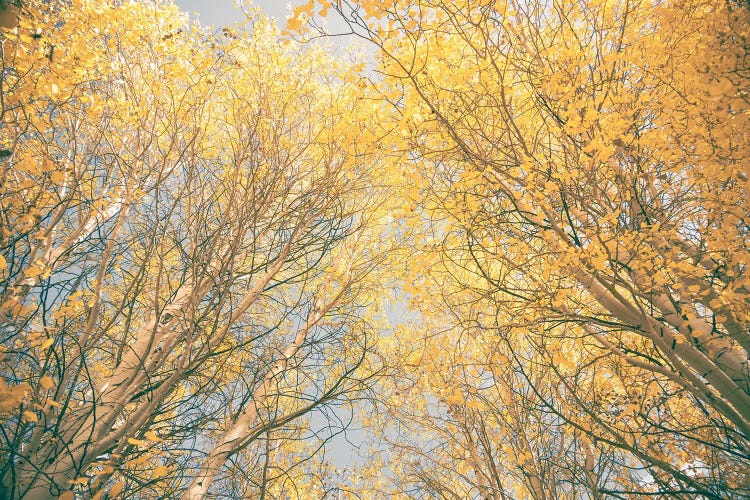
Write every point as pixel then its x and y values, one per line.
pixel 510 250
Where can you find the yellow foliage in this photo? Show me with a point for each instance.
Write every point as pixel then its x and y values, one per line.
pixel 208 227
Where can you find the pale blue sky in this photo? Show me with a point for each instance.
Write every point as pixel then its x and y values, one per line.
pixel 223 12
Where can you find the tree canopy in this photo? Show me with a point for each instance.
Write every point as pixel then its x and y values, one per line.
pixel 513 249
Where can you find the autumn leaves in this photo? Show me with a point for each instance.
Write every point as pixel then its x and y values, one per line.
pixel 199 233
pixel 190 234
pixel 570 172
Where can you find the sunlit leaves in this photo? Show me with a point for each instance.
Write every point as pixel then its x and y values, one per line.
pixel 571 158
pixel 200 232
pixel 181 208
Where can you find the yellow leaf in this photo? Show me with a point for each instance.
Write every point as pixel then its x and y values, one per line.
pixel 161 471
pixel 413 359
pixel 142 460
pixel 455 398
pixel 116 489
pixel 57 176
pixel 151 436
pixel 47 343
pixel 721 88
pixel 599 261
pixel 30 416
pixel 293 24
pixel 473 404
pixel 46 382
pixel 137 442
pixel 54 88
pixel 3 263
pixel 33 271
